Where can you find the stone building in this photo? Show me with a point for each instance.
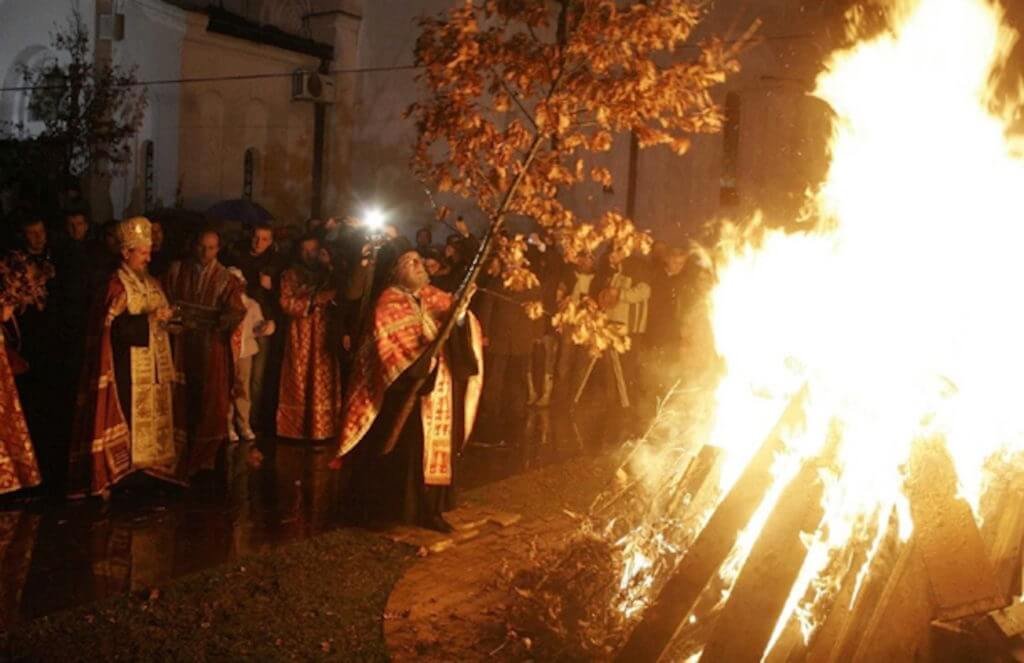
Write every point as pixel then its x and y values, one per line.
pixel 225 118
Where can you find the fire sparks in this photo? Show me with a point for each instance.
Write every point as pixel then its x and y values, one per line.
pixel 897 306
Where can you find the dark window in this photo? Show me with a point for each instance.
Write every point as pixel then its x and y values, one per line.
pixel 148 174
pixel 728 193
pixel 247 174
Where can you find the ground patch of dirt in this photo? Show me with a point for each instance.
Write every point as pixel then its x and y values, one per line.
pixel 454 605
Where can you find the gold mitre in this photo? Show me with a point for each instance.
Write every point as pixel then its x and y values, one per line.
pixel 135 232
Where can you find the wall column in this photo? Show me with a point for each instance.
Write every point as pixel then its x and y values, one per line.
pixel 337 189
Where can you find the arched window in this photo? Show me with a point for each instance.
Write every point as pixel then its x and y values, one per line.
pixel 149 174
pixel 728 192
pixel 45 102
pixel 248 173
pixel 16 107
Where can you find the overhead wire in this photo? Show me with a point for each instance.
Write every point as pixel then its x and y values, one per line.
pixel 356 70
pixel 217 79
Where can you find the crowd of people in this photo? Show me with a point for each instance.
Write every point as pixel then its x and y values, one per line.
pixel 122 356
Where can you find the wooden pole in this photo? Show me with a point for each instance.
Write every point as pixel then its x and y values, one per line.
pixel 694 489
pixel 464 292
pixel 664 617
pixel 900 627
pixel 829 607
pixel 1005 540
pixel 948 541
pixel 744 628
pixel 839 636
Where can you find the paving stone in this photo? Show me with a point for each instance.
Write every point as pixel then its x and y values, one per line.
pixel 441 546
pixel 460 536
pixel 505 519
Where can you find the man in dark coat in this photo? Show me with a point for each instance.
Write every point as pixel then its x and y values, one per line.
pixel 510 338
pixel 261 264
pixel 36 337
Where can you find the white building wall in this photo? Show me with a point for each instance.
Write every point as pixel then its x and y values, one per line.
pixel 221 119
pixel 154 31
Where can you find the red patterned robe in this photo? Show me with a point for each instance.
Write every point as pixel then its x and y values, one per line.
pixel 18 467
pixel 403 330
pixel 203 356
pixel 310 391
pixel 130 413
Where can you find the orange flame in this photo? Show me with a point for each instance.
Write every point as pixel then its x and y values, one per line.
pixel 898 307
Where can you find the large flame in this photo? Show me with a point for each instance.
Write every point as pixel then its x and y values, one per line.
pixel 893 314
pixel 899 306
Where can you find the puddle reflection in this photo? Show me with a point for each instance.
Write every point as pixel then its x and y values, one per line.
pixel 54 556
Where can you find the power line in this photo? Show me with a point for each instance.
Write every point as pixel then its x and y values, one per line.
pixel 216 79
pixel 358 70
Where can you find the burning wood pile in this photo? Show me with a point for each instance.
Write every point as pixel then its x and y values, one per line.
pixel 854 492
pixel 734 576
pixel 879 598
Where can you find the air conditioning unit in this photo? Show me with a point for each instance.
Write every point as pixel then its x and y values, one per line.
pixel 312 86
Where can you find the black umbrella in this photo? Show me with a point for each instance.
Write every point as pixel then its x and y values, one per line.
pixel 243 211
pixel 177 217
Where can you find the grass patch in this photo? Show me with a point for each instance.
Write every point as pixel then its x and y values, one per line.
pixel 322 598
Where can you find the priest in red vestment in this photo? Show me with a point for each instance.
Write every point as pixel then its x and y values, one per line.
pixel 210 302
pixel 310 390
pixel 129 417
pixel 18 466
pixel 414 480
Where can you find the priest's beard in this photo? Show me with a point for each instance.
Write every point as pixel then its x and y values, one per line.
pixel 137 270
pixel 413 282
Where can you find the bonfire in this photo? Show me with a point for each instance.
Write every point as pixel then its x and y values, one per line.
pixel 848 487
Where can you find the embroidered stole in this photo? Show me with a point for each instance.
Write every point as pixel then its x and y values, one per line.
pixel 154 446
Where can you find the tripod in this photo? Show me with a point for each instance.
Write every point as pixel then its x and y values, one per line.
pixel 620 379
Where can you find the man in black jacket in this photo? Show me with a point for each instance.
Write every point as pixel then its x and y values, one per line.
pixel 260 263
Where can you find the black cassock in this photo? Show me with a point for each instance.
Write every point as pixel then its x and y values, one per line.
pixel 127 331
pixel 390 486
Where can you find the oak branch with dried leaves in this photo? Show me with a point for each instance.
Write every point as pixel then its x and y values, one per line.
pixel 519 93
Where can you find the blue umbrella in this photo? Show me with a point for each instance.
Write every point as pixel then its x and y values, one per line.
pixel 243 211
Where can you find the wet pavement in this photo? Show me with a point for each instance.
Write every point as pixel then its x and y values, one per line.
pixel 57 555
